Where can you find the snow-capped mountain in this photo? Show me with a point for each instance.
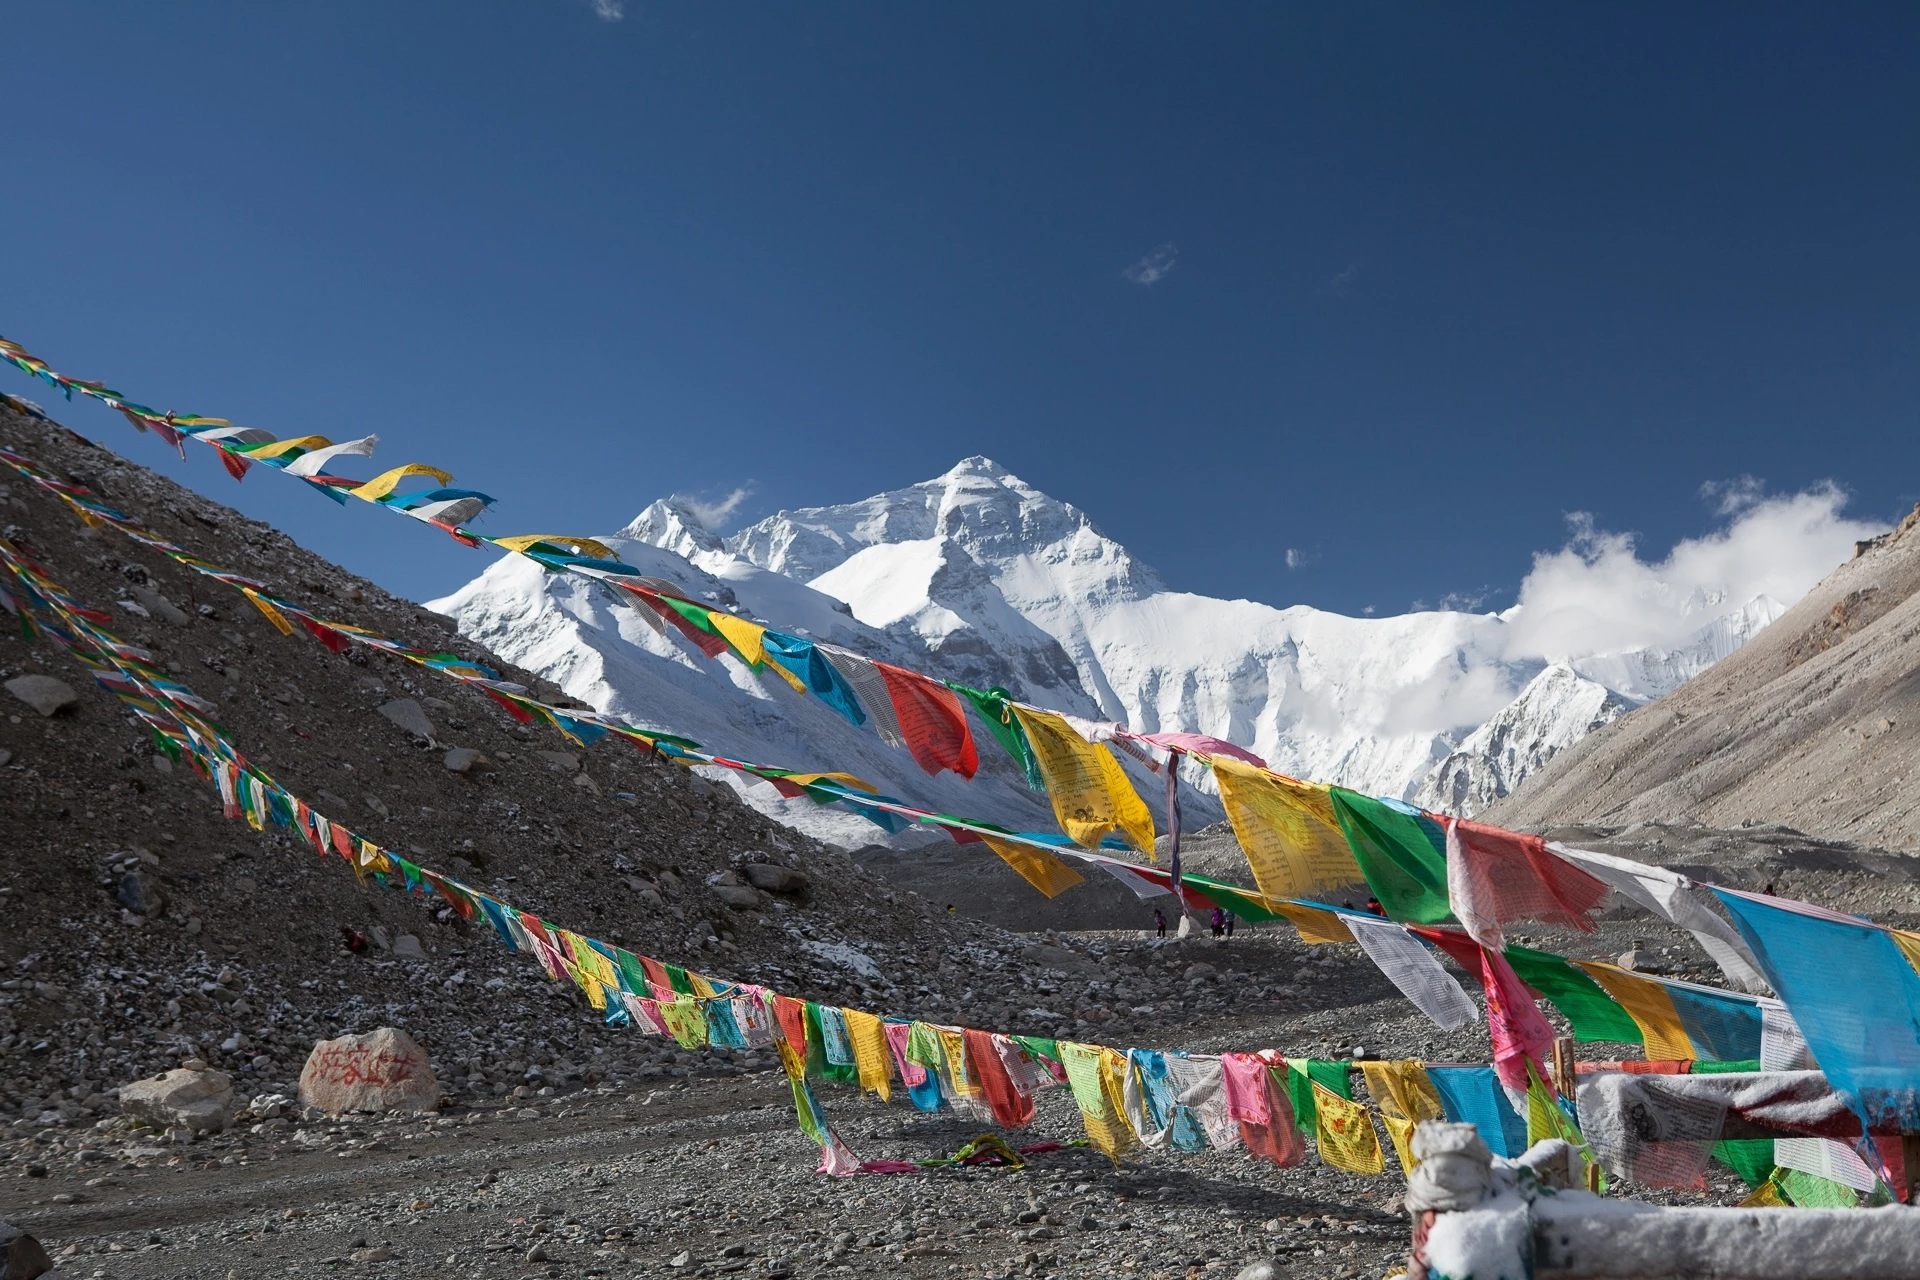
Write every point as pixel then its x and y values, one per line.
pixel 977 576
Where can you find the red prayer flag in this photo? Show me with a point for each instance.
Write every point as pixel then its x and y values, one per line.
pixel 932 722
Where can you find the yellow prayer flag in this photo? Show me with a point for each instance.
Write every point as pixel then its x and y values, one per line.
pixel 278 447
pixel 1765 1196
pixel 1401 1132
pixel 871 1057
pixel 1909 944
pixel 581 546
pixel 271 614
pixel 387 481
pixel 844 779
pixel 1403 1089
pixel 1044 871
pixel 744 636
pixel 1345 1134
pixel 1287 830
pixel 702 985
pixel 1090 791
pixel 954 1045
pixel 1648 1004
pixel 1313 923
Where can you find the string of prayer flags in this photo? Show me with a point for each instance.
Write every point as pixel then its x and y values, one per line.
pixel 1400 850
pixel 1594 1014
pixel 1091 794
pixel 1679 1021
pixel 1287 830
pixel 1496 877
pixel 1667 895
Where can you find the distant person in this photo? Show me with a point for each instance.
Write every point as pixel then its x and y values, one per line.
pixel 1219 922
pixel 1373 905
pixel 1159 922
pixel 1229 924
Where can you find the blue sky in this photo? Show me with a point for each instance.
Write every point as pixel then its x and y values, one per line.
pixel 1395 287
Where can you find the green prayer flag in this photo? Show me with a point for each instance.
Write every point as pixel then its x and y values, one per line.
pixel 1751 1158
pixel 1402 855
pixel 1595 1015
pixel 1303 1074
pixel 633 975
pixel 995 709
pixel 1703 1067
pixel 1810 1191
pixel 678 980
pixel 1039 1047
pixel 817 1064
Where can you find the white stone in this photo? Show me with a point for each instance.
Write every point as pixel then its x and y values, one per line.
pixel 44 694
pixel 383 1070
pixel 196 1099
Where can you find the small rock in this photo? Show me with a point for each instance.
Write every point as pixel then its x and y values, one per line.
pixel 409 715
pixel 407 947
pixel 383 1070
pixel 6 757
pixel 558 761
pixel 680 1259
pixel 467 760
pixel 740 897
pixel 1259 1271
pixel 379 1253
pixel 22 1254
pixel 44 694
pixel 1201 973
pixel 192 1097
pixel 140 893
pixel 774 879
pixel 158 606
pixel 537 1254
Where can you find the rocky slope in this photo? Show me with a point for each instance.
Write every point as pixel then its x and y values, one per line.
pixel 1814 724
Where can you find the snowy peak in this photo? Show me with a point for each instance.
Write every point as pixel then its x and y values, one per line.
pixel 978 505
pixel 670 525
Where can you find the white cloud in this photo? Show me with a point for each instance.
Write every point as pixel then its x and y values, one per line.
pixel 1730 497
pixel 1154 267
pixel 1342 283
pixel 609 10
pixel 1596 595
pixel 1295 557
pixel 713 516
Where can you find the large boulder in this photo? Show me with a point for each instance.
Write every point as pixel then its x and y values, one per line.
pixel 21 1257
pixel 44 694
pixel 192 1097
pixel 383 1070
pixel 773 878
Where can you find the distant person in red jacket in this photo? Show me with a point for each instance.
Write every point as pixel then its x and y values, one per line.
pixel 1159 922
pixel 1219 922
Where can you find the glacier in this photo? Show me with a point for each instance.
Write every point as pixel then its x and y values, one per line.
pixel 978 577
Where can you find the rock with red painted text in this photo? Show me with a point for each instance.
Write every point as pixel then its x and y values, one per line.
pixel 383 1070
